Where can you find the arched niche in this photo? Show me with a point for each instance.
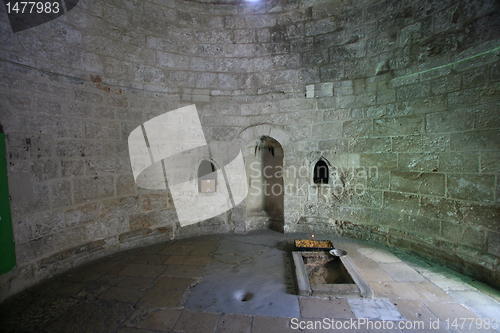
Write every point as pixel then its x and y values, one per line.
pixel 207 177
pixel 264 168
pixel 321 172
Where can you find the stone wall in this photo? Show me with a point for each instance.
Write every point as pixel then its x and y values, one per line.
pixel 411 88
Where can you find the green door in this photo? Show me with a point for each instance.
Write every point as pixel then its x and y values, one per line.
pixel 7 251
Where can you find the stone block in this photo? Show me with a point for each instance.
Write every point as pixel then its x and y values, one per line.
pixel 60 193
pixel 486 117
pixel 210 50
pixel 70 148
pixel 21 146
pixel 47 107
pixel 223 133
pixel 463 235
pixel 102 130
pixel 357 128
pixel 77 110
pixel 214 36
pixel 384 217
pixel 421 225
pixel 320 27
pixel 441 208
pixel 379 145
pixel 482 215
pixel 331 72
pixel 490 162
pixel 87 96
pixel 327 130
pixel 335 114
pixel 382 43
pixel 286 61
pixel 475 77
pixel 471 187
pixel 378 160
pixel 418 162
pixel 156 201
pixel 400 202
pixel 459 162
pixel 490 92
pixel 386 96
pixel 307 75
pixel 72 168
pixel 418 143
pixel 181 78
pixel 422 105
pixel 97 166
pixel 85 190
pixel 494 243
pixel 206 80
pixel 442 122
pixel 463 97
pixel 418 182
pixel 378 179
pixel 118 100
pixel 57 127
pixel 44 169
pixel 446 84
pixel 475 140
pixel 145 73
pixel 418 90
pixel 381 9
pixel 397 126
pixel 260 21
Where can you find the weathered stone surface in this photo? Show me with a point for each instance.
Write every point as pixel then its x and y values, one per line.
pixel 471 187
pixel 441 122
pixel 441 208
pixel 475 140
pixel 397 126
pixel 418 162
pixel 459 162
pixel 406 203
pixel 410 89
pixel 418 182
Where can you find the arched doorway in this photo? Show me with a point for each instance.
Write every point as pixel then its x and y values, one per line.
pixel 264 167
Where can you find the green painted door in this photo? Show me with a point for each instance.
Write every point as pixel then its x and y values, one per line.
pixel 7 251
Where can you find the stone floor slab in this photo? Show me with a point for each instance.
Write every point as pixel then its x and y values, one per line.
pixel 336 308
pixel 374 309
pixel 432 292
pixel 102 316
pixel 166 292
pixel 197 322
pixel 155 319
pixel 379 255
pixel 401 272
pixel 422 320
pixel 121 295
pixel 262 324
pixel 257 286
pixel 375 274
pixel 184 271
pixel 234 323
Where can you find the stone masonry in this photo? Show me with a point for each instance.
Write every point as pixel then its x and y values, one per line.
pixel 401 98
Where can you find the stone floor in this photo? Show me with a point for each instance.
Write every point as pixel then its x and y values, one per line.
pixel 245 283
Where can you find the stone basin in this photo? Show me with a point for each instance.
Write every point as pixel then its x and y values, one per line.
pixel 320 273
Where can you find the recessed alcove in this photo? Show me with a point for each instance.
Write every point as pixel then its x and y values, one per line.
pixel 264 202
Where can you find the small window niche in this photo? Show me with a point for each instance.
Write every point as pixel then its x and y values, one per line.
pixel 320 172
pixel 207 177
